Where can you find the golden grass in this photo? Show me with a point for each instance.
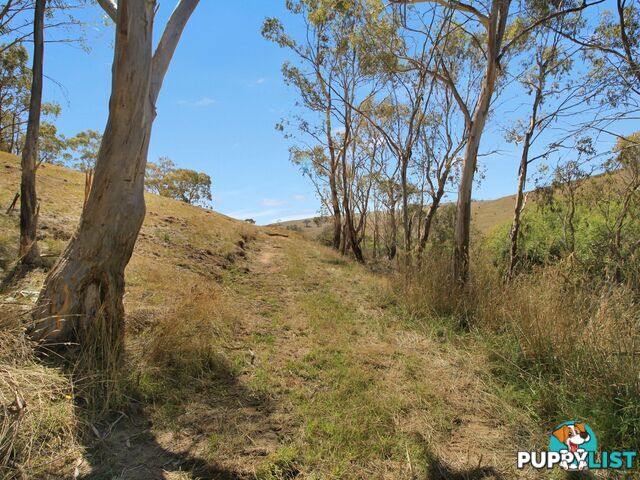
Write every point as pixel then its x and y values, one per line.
pixel 37 419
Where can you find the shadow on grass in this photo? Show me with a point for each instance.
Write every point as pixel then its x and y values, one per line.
pixel 14 275
pixel 131 448
pixel 439 470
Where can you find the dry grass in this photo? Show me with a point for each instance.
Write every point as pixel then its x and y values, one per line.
pixel 569 348
pixel 38 425
pixel 276 357
pixel 184 338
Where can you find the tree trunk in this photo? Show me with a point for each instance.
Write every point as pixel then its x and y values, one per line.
pixel 463 212
pixel 29 252
pixel 428 221
pixel 350 233
pixel 335 205
pixel 85 288
pixel 515 226
pixel 522 174
pixel 495 34
pixel 88 280
pixel 392 248
pixel 406 223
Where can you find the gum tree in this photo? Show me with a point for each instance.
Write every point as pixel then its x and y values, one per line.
pixel 29 252
pixel 84 290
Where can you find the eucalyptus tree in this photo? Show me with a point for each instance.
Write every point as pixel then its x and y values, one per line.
pixel 548 80
pixel 29 251
pixel 15 94
pixel 400 127
pixel 85 288
pixel 314 75
pixel 611 42
pixel 82 150
pixel 440 147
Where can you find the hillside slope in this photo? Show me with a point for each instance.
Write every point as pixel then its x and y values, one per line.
pixel 486 216
pixel 254 353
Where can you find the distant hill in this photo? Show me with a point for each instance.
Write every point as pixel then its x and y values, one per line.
pixel 486 215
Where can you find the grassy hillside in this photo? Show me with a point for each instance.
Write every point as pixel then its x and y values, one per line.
pixel 486 214
pixel 252 353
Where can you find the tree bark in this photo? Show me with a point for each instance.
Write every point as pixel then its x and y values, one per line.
pixel 350 232
pixel 406 224
pixel 335 205
pixel 522 175
pixel 29 252
pixel 392 248
pixel 515 225
pixel 428 221
pixel 87 282
pixel 88 279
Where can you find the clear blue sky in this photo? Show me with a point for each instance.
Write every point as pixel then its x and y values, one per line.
pixel 220 102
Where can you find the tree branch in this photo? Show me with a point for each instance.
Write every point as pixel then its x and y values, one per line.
pixel 625 40
pixel 543 20
pixel 456 5
pixel 168 43
pixel 110 7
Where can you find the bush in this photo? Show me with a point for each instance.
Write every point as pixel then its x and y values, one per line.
pixel 565 331
pixel 546 240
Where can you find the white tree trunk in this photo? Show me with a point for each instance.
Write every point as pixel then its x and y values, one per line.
pixel 88 279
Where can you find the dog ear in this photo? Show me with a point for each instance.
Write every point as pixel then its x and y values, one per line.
pixel 580 427
pixel 562 434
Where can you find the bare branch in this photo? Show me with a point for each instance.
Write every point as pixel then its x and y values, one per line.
pixel 168 43
pixel 456 5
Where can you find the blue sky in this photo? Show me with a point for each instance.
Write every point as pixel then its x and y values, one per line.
pixel 217 111
pixel 220 102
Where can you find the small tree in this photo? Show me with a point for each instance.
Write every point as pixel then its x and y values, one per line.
pixel 51 145
pixel 156 173
pixel 182 184
pixel 188 186
pixel 83 150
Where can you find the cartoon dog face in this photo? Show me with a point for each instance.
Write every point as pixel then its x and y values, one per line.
pixel 572 435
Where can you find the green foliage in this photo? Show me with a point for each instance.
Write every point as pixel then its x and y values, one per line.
pixel 595 222
pixel 541 238
pixel 83 150
pixel 181 184
pixel 51 145
pixel 15 91
pixel 15 80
